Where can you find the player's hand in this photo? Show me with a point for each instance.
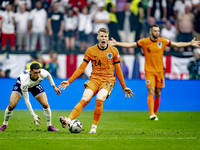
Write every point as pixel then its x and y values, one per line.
pixel 63 85
pixel 57 90
pixel 36 121
pixel 195 43
pixel 60 33
pixel 128 92
pixel 112 42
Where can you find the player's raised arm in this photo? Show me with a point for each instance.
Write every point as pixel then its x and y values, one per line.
pixel 120 77
pixel 24 90
pixel 113 42
pixel 185 44
pixel 75 75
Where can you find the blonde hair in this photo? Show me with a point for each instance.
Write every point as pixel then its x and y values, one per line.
pixel 103 30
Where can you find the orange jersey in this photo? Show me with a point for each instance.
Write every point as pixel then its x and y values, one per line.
pixel 103 61
pixel 153 52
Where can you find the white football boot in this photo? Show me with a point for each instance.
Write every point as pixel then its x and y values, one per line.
pixel 64 121
pixel 156 119
pixel 93 129
pixel 152 117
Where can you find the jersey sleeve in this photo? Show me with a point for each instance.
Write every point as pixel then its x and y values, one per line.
pixel 116 57
pixel 167 42
pixel 140 43
pixel 87 56
pixel 47 75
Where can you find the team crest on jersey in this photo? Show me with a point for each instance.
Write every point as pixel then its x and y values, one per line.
pixel 25 87
pixel 110 55
pixel 148 81
pixel 86 82
pixel 159 44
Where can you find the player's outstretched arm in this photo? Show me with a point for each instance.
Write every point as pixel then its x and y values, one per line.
pixel 113 42
pixel 63 85
pixel 185 44
pixel 128 92
pixel 75 75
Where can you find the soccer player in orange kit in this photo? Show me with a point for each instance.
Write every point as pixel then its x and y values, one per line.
pixel 104 59
pixel 153 48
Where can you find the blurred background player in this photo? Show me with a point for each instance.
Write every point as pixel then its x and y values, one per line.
pixel 153 48
pixel 29 81
pixel 104 59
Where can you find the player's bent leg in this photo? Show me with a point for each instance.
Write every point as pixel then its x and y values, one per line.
pixel 87 96
pixel 42 99
pixel 101 96
pixel 14 98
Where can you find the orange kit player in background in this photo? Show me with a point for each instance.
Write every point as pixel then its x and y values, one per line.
pixel 153 48
pixel 104 59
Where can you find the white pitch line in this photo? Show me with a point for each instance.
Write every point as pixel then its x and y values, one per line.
pixel 94 138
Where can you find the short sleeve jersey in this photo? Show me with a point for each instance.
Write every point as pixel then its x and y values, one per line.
pixel 103 61
pixel 26 82
pixel 153 52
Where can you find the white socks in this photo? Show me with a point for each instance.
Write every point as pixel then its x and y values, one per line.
pixel 94 126
pixel 7 116
pixel 47 114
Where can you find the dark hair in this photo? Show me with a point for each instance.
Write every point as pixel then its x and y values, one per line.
pixel 154 26
pixel 35 66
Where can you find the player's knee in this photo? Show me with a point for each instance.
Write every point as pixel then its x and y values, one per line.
pixel 102 98
pixel 45 106
pixel 83 102
pixel 157 94
pixel 86 98
pixel 151 91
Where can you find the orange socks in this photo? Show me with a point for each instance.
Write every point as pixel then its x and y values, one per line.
pixel 78 109
pixel 150 104
pixel 156 104
pixel 98 111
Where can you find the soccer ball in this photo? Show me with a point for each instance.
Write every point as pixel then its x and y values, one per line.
pixel 75 126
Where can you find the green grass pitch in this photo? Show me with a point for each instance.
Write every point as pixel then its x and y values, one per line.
pixel 116 130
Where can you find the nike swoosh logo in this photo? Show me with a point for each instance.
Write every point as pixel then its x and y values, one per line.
pixel 95 56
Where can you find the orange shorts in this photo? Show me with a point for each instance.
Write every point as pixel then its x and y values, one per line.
pixel 97 84
pixel 155 79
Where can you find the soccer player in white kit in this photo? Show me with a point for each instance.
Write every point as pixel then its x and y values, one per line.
pixel 29 81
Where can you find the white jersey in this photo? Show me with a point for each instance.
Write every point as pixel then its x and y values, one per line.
pixel 26 82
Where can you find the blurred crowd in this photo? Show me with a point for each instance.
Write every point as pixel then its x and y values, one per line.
pixel 70 26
